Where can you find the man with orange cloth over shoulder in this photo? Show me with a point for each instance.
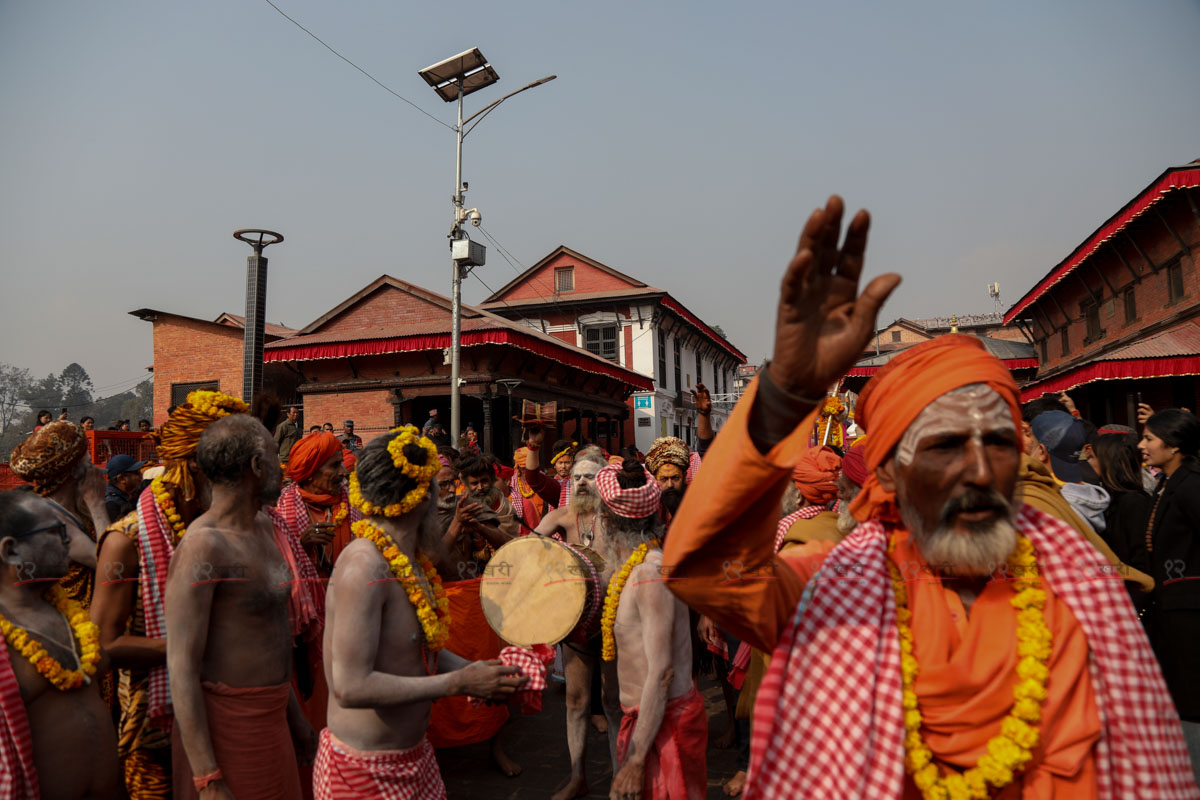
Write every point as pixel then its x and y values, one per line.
pixel 955 644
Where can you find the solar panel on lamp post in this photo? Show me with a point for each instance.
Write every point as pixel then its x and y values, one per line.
pixel 453 79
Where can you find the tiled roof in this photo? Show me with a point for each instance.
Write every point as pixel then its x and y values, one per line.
pixel 269 328
pixel 1182 340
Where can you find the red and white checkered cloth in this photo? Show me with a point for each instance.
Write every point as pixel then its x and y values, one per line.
pixel 533 663
pixel 156 545
pixel 829 721
pixel 18 775
pixel 343 773
pixel 785 524
pixel 564 492
pixel 633 503
pixel 693 466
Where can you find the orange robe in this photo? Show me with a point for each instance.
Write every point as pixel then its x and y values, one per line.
pixel 723 565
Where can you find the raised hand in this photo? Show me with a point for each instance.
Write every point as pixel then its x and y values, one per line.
pixel 702 399
pixel 823 323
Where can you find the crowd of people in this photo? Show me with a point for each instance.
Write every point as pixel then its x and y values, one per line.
pixel 963 597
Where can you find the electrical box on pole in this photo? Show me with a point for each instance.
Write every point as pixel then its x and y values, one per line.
pixel 468 253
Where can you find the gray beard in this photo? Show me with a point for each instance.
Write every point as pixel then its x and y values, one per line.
pixel 846 521
pixel 976 554
pixel 585 503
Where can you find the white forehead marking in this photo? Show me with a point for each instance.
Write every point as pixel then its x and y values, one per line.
pixel 978 407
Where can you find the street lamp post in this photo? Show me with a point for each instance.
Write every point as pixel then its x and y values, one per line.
pixel 453 79
pixel 510 384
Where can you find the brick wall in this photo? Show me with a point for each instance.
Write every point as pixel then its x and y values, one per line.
pixel 370 410
pixel 1105 273
pixel 587 279
pixel 191 351
pixel 387 305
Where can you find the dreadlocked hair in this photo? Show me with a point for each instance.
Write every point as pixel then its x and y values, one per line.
pixel 379 481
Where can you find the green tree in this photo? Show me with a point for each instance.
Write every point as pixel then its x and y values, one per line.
pixel 14 385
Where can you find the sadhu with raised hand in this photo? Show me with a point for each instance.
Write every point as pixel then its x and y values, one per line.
pixel 386 629
pixel 955 644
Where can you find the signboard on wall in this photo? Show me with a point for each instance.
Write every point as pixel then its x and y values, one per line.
pixel 641 402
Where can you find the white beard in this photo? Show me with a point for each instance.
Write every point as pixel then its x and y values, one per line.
pixel 585 503
pixel 976 554
pixel 846 521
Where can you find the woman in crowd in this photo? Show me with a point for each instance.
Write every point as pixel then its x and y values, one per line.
pixel 1120 469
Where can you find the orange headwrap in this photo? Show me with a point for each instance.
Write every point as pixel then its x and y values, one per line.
pixel 900 391
pixel 309 453
pixel 815 475
pixel 520 456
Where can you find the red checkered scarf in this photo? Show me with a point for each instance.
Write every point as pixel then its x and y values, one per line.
pixel 564 492
pixel 829 722
pixel 633 503
pixel 292 507
pixel 693 466
pixel 785 524
pixel 156 545
pixel 18 776
pixel 306 596
pixel 533 663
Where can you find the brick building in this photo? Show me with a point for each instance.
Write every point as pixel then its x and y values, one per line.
pixel 378 358
pixel 905 332
pixel 1120 316
pixel 582 302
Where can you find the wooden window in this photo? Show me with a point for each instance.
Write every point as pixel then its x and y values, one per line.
pixel 895 336
pixel 1174 282
pixel 1066 342
pixel 564 279
pixel 180 391
pixel 1042 350
pixel 1091 315
pixel 1130 306
pixel 601 340
pixel 662 357
pixel 678 373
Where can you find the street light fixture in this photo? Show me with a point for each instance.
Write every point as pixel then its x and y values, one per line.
pixel 453 79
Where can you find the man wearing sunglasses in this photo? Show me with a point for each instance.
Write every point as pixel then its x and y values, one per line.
pixel 56 736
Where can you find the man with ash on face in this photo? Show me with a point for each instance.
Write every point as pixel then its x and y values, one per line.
pixel 578 523
pixel 56 734
pixel 664 733
pixel 238 591
pixel 954 644
pixel 385 646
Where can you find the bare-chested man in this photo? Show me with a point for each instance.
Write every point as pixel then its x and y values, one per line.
pixel 383 654
pixel 68 748
pixel 664 733
pixel 579 524
pixel 229 641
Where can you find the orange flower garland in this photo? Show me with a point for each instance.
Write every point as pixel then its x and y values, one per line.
pixel 343 511
pixel 612 599
pixel 434 616
pixel 82 628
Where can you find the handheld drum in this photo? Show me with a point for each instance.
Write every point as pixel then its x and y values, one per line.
pixel 537 590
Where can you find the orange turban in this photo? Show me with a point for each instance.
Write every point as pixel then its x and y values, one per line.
pixel 348 459
pixel 520 456
pixel 854 464
pixel 901 390
pixel 815 475
pixel 309 453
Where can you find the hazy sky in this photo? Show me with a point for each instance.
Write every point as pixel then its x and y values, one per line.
pixel 683 143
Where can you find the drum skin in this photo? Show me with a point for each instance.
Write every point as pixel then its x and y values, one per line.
pixel 536 590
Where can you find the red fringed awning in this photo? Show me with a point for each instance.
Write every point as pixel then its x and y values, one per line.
pixel 1176 179
pixel 672 304
pixel 1011 363
pixel 1111 371
pixel 408 344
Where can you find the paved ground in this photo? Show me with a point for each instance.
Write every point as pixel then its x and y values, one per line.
pixel 538 742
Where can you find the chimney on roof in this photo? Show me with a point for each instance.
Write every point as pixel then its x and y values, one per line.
pixel 256 305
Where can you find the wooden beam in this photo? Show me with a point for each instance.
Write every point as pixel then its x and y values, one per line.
pixel 1167 225
pixel 1088 288
pixel 1099 272
pixel 1141 252
pixel 1195 211
pixel 431 361
pixel 1136 277
pixel 1066 316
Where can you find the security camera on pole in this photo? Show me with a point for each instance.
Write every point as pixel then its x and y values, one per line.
pixel 453 79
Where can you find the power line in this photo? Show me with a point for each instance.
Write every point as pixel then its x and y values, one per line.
pixel 386 88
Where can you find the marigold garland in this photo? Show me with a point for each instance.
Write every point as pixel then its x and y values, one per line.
pixel 421 473
pixel 216 404
pixel 1010 750
pixel 612 599
pixel 162 496
pixel 434 616
pixel 340 514
pixel 83 629
pixel 832 408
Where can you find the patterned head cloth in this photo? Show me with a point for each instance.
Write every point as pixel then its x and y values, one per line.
pixel 47 457
pixel 668 450
pixel 633 503
pixel 815 475
pixel 176 439
pixel 520 456
pixel 900 391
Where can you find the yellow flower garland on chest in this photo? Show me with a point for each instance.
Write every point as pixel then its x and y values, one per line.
pixel 434 616
pixel 340 514
pixel 1010 750
pixel 82 628
pixel 612 599
pixel 162 496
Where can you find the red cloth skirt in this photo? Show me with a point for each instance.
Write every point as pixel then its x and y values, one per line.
pixel 676 766
pixel 342 773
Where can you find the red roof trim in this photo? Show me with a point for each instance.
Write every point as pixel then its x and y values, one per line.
pixel 1113 370
pixel 673 304
pixel 1011 363
pixel 406 344
pixel 1176 179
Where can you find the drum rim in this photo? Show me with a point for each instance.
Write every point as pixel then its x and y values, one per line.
pixel 544 540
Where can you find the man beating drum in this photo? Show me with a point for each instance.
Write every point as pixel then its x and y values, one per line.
pixel 579 524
